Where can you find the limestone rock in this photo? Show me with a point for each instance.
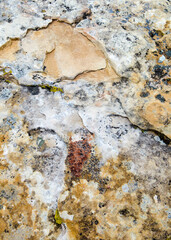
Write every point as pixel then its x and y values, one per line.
pixel 85 120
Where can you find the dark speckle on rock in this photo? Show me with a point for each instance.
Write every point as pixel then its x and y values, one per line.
pixel 161 98
pixel 34 90
pixel 22 28
pixel 96 222
pixel 81 95
pixel 159 71
pixel 167 81
pixel 168 53
pixel 138 65
pixel 124 212
pixel 144 94
pixel 9 20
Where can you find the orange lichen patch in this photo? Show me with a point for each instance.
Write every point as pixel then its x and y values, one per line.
pixel 7 51
pixel 15 157
pixel 165 41
pixel 18 218
pixel 3 167
pixel 118 173
pixel 86 203
pixel 79 205
pixel 77 154
pixel 157 114
pixel 2 225
pixel 103 209
pixel 17 211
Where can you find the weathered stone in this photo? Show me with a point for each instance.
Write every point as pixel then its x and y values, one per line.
pixel 85 122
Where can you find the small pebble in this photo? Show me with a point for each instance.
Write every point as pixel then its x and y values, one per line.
pixel 161 59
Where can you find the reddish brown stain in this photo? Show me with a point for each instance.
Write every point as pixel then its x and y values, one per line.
pixel 77 154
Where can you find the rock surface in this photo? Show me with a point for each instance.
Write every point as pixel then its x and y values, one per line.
pixel 85 121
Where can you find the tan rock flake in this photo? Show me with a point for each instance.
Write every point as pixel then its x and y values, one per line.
pixel 68 52
pixel 7 51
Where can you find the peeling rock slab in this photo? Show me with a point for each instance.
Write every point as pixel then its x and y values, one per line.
pixel 73 53
pixel 58 50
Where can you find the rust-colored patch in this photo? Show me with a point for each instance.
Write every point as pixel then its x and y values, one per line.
pixel 77 154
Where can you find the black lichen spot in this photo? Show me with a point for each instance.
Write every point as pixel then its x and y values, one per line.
pixel 124 80
pixel 4 194
pixel 124 212
pixel 155 53
pixel 155 33
pixel 128 39
pixel 8 194
pixel 161 98
pixel 159 71
pixel 9 20
pixel 81 95
pixel 16 225
pixel 101 205
pixel 138 65
pixel 129 69
pixel 34 90
pixel 167 81
pixel 96 222
pixel 87 13
pixel 68 9
pixel 168 53
pixel 152 33
pixel 144 94
pixel 138 54
pixel 23 28
pixel 123 27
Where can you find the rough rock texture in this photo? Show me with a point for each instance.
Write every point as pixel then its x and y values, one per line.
pixel 85 120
